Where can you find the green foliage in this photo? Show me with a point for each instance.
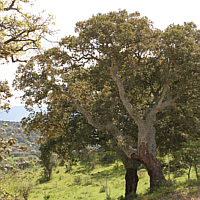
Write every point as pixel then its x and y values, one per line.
pixel 5 94
pixel 20 32
pixel 46 197
pixel 107 158
pixel 123 77
pixel 48 161
pixel 102 189
pixel 77 180
pixel 24 190
pixel 117 47
pixel 188 157
pixel 5 147
pixel 65 188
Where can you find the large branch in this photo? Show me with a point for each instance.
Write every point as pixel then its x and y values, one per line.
pixel 11 7
pixel 88 116
pixel 161 104
pixel 123 96
pixel 122 143
pixel 157 107
pixel 17 36
pixel 110 127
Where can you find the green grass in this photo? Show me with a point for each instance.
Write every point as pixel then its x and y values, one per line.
pixel 80 183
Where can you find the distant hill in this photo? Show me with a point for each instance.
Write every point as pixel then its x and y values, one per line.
pixel 14 129
pixel 15 114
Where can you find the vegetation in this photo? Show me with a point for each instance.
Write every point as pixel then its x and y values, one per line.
pixel 20 32
pixel 118 66
pixel 81 183
pixel 13 131
pixel 120 84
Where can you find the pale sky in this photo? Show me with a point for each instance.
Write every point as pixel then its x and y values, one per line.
pixel 67 13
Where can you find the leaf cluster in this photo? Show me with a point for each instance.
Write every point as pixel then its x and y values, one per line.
pixel 20 31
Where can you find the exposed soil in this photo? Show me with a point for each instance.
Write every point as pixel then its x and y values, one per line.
pixel 189 193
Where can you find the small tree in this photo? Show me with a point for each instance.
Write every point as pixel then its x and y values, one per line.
pixel 48 160
pixel 188 157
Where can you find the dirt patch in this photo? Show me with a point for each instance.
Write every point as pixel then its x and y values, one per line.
pixel 187 193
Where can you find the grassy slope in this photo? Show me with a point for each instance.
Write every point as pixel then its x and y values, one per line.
pixel 77 184
pixel 83 184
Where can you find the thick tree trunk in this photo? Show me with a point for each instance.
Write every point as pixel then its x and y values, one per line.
pixel 152 164
pixel 131 178
pixel 131 166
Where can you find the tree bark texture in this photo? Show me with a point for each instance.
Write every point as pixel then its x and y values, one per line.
pixel 131 178
pixel 152 164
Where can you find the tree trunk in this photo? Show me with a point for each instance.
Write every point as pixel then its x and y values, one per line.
pixel 195 167
pixel 196 171
pixel 152 164
pixel 189 172
pixel 131 178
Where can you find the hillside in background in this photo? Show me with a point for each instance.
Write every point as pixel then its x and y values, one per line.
pixel 14 129
pixel 15 114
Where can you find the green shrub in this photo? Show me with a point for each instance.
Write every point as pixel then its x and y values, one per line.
pixel 87 181
pixel 77 180
pixel 102 189
pixel 107 158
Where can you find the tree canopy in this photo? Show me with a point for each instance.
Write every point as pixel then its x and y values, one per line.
pixel 119 61
pixel 20 32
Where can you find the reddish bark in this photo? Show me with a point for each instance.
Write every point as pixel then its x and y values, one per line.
pixel 152 164
pixel 131 178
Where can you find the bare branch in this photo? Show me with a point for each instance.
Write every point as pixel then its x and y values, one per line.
pixel 11 6
pixel 88 116
pixel 161 104
pixel 132 112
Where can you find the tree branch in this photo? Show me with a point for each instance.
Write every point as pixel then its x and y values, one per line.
pixel 156 108
pixel 132 112
pixel 128 150
pixel 11 6
pixel 160 105
pixel 110 127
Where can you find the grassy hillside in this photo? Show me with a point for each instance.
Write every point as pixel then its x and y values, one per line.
pixel 82 183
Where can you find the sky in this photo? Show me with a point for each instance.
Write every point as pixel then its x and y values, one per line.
pixel 67 13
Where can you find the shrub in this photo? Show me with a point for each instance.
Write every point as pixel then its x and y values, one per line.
pixel 107 158
pixel 87 181
pixel 77 180
pixel 102 189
